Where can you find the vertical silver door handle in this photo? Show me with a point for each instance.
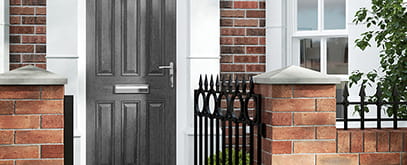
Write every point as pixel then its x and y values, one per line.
pixel 171 68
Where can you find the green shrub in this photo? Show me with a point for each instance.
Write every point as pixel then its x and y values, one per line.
pixel 387 26
pixel 247 155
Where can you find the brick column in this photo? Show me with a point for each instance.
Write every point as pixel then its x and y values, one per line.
pixel 299 112
pixel 31 117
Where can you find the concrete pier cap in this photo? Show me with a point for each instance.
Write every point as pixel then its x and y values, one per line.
pixel 295 75
pixel 31 75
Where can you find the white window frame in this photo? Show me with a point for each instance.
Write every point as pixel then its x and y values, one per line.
pixel 4 36
pixel 280 34
pixel 294 36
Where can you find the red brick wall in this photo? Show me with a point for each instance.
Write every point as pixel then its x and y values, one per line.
pixel 27 33
pixel 300 129
pixel 31 125
pixel 374 146
pixel 242 37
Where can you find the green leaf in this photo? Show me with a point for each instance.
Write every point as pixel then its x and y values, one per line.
pixel 391 37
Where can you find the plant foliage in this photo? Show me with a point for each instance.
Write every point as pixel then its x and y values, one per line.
pixel 387 24
pixel 247 155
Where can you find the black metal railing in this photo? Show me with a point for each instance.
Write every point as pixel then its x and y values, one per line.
pixel 364 102
pixel 222 110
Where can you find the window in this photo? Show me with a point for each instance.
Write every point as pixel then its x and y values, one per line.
pixel 319 38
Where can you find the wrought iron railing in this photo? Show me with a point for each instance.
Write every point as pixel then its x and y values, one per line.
pixel 378 101
pixel 226 115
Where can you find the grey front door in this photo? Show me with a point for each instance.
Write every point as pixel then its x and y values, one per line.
pixel 130 100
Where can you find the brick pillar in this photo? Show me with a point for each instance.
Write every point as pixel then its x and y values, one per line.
pixel 31 117
pixel 299 112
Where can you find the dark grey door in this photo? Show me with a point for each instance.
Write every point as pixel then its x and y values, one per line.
pixel 128 123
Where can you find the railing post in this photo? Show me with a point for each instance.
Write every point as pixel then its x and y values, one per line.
pixel 345 106
pixel 299 111
pixel 395 106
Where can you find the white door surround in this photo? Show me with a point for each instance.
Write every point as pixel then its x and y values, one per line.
pixel 197 27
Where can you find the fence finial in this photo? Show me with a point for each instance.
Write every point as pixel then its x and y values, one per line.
pixel 346 92
pixel 223 88
pixel 395 93
pixel 200 82
pixel 206 82
pixel 379 92
pixel 211 83
pixel 217 83
pixel 362 92
pixel 237 86
pixel 251 85
pixel 395 106
pixel 230 83
pixel 244 84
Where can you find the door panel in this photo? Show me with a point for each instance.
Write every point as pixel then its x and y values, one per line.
pixel 105 37
pixel 131 37
pixel 155 38
pixel 127 40
pixel 156 125
pixel 131 129
pixel 104 132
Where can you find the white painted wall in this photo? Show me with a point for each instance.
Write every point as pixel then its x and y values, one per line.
pixel 276 28
pixel 197 53
pixel 4 36
pixel 366 60
pixel 203 54
pixel 63 57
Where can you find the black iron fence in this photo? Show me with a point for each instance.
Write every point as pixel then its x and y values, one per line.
pixel 227 120
pixel 377 101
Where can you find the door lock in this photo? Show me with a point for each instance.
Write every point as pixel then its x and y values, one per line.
pixel 171 74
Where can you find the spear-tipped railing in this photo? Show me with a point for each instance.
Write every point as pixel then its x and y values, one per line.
pixel 230 109
pixel 378 101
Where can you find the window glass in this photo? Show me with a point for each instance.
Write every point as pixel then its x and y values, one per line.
pixel 310 53
pixel 307 15
pixel 334 14
pixel 337 55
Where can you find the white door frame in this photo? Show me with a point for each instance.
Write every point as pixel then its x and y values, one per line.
pixel 197 48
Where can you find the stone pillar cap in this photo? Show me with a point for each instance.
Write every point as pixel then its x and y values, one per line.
pixel 295 75
pixel 31 75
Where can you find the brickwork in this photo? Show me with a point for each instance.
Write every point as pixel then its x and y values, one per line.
pixel 31 125
pixel 374 146
pixel 298 122
pixel 300 129
pixel 27 33
pixel 242 37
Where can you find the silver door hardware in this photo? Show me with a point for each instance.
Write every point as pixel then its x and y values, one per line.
pixel 171 68
pixel 131 88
